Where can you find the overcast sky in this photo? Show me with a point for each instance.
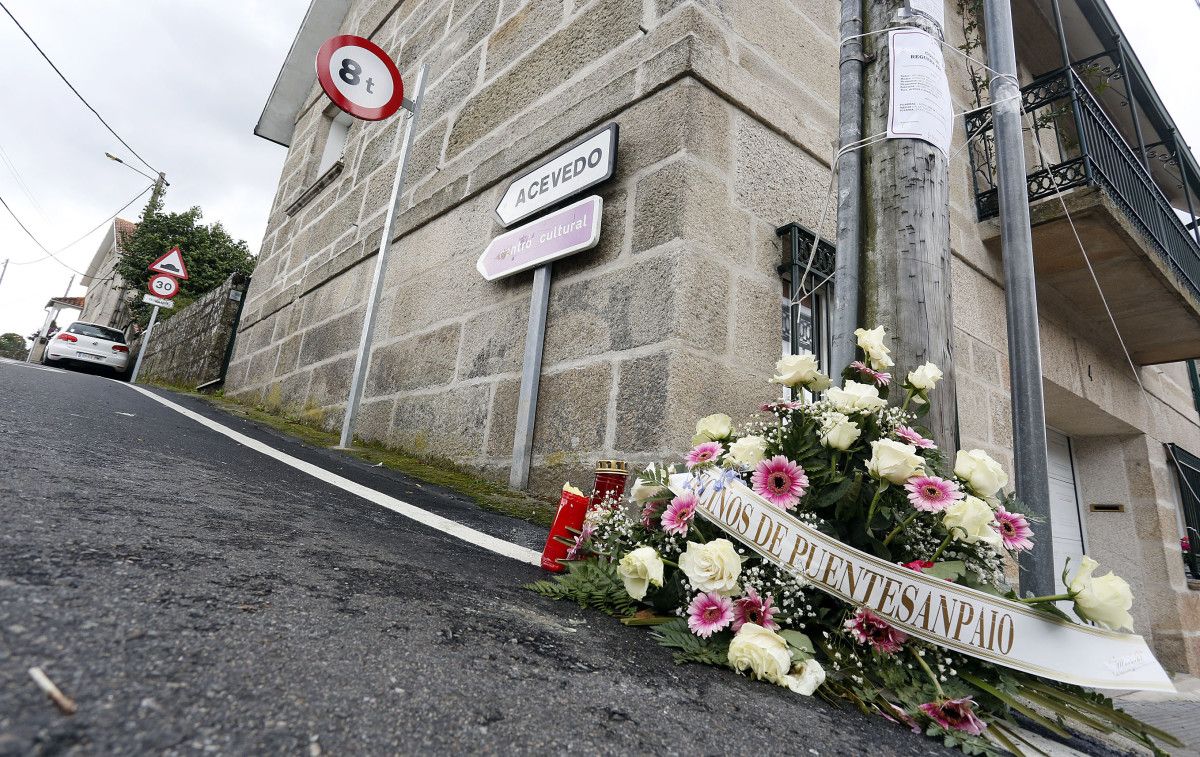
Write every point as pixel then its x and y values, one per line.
pixel 183 81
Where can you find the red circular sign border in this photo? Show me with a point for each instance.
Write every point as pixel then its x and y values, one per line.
pixel 386 110
pixel 156 277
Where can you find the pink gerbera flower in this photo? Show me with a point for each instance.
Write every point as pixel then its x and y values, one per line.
pixel 955 715
pixel 709 613
pixel 932 494
pixel 882 379
pixel 678 517
pixel 1014 529
pixel 911 436
pixel 900 717
pixel 754 609
pixel 868 628
pixel 779 406
pixel 579 549
pixel 652 511
pixel 918 565
pixel 779 481
pixel 704 453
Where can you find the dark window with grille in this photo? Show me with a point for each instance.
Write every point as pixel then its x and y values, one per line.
pixel 805 309
pixel 1187 466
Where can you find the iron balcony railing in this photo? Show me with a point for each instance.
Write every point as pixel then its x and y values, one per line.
pixel 1081 146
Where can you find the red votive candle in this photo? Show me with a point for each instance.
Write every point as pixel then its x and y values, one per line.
pixel 572 507
pixel 610 480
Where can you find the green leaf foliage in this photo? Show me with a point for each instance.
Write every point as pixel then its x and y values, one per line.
pixel 690 647
pixel 591 583
pixel 211 254
pixel 801 646
pixel 13 346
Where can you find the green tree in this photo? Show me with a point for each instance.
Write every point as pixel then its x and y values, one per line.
pixel 211 254
pixel 13 346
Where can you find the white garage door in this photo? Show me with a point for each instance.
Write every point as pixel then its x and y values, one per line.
pixel 1067 530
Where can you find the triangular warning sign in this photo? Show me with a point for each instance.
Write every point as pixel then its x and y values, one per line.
pixel 171 264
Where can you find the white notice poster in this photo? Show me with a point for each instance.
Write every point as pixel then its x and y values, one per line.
pixel 935 9
pixel 920 106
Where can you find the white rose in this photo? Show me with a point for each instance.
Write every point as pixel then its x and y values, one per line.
pixel 761 651
pixel 714 566
pixel 639 569
pixel 643 491
pixel 820 383
pixel 839 432
pixel 712 427
pixel 924 377
pixel 894 461
pixel 806 677
pixel 871 342
pixel 855 398
pixel 748 450
pixel 1103 599
pixel 797 370
pixel 979 470
pixel 970 520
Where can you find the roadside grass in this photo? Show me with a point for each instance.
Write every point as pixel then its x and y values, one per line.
pixel 427 469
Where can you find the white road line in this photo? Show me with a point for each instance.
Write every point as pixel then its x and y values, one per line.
pixel 424 517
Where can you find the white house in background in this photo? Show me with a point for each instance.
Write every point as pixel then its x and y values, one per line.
pixel 106 290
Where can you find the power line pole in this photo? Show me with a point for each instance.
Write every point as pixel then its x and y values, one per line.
pixel 1020 298
pixel 3 270
pixel 906 258
pixel 846 287
pixel 158 189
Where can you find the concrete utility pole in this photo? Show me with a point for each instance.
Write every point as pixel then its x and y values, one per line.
pixel 906 271
pixel 846 285
pixel 1020 299
pixel 156 193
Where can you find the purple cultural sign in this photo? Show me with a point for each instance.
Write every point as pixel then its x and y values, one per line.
pixel 563 232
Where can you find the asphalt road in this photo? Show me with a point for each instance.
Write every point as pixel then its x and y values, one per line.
pixel 194 595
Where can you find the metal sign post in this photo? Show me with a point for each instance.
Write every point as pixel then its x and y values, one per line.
pixel 531 374
pixel 137 365
pixel 368 330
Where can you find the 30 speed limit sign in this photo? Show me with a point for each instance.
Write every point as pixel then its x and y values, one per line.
pixel 359 77
pixel 163 285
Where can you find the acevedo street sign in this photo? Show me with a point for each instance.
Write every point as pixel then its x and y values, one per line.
pixel 553 236
pixel 577 167
pixel 171 263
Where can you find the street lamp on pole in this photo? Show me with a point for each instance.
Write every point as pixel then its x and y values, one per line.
pixel 159 182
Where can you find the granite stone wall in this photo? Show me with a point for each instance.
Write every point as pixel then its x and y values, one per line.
pixel 188 349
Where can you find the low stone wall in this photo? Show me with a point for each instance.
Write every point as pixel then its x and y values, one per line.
pixel 188 349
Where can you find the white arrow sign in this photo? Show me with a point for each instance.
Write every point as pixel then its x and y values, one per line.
pixel 553 236
pixel 150 299
pixel 577 167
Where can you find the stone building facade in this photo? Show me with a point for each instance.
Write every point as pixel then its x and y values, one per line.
pixel 106 290
pixel 727 113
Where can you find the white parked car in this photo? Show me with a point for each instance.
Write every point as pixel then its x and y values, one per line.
pixel 88 344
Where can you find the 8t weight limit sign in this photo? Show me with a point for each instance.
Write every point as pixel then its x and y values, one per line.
pixel 359 77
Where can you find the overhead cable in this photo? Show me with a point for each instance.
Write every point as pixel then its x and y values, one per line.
pixel 72 88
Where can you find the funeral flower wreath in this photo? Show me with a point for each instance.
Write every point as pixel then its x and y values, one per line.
pixel 850 464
